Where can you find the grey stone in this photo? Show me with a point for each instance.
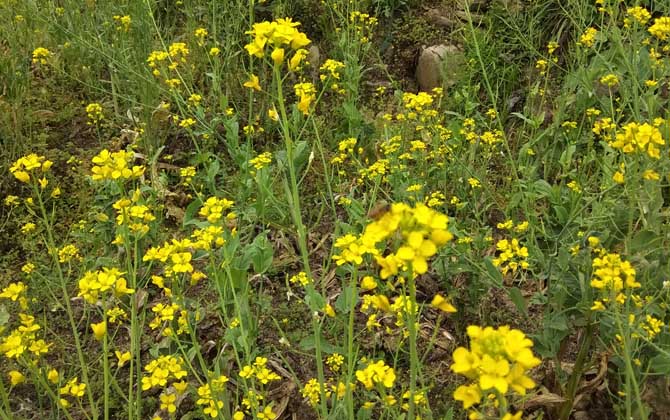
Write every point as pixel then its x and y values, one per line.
pixel 438 64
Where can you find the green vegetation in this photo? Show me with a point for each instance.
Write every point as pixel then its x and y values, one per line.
pixel 247 210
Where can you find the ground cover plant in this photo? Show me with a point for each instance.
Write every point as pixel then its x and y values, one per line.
pixel 249 210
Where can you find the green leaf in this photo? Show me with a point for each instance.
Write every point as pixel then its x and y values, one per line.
pixel 261 254
pixel 543 188
pixel 343 302
pixel 494 273
pixel 309 343
pixel 644 241
pixel 660 364
pixel 518 299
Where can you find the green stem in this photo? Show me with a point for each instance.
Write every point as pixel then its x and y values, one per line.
pixel 294 197
pixel 105 366
pixel 52 250
pixel 573 381
pixel 5 399
pixel 350 342
pixel 319 366
pixel 413 354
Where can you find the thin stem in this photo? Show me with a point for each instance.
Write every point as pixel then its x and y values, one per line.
pixel 51 246
pixel 576 375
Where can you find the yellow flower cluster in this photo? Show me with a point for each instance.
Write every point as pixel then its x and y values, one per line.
pixel 588 38
pixel 611 273
pixel 115 165
pixel 330 72
pixel 207 396
pixel 14 291
pixel 345 149
pixel 176 54
pixel 421 228
pixel 661 28
pixel 498 359
pixel 67 253
pixel 41 55
pixel 175 254
pixel 73 388
pixel 122 22
pixel 261 161
pixel 187 174
pixel 639 137
pixel 609 80
pixel 96 283
pixel 259 371
pixel 416 101
pixel 512 256
pixel 363 25
pixel 22 168
pixel 208 237
pixel 164 313
pixel 23 339
pixel 306 93
pixel 277 35
pixel 312 391
pixel 300 278
pixel 603 127
pixel 214 207
pixel 638 14
pixel 94 113
pixel 200 35
pixel 132 214
pixel 161 370
pixel 376 373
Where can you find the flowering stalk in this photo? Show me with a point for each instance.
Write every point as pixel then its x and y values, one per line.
pixel 51 245
pixel 414 363
pixel 350 341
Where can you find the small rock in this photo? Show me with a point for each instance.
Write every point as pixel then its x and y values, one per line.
pixel 436 62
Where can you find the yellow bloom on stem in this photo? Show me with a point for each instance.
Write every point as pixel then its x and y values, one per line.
pixel 16 377
pixel 99 330
pixel 122 358
pixel 469 395
pixel 442 304
pixel 253 83
pixel 53 376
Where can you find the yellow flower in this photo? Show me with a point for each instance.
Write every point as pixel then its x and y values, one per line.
pixel 13 291
pixel 368 283
pixel 618 177
pixel 168 402
pixel 588 38
pixel 660 29
pixel 53 376
pixel 469 395
pixel 376 373
pixel 253 83
pixel 651 175
pixel 328 310
pixel 99 330
pixel 267 414
pixel 277 56
pixel 498 359
pixel 16 377
pixel 41 55
pixel 94 113
pixel 442 304
pixel 609 80
pixel 122 358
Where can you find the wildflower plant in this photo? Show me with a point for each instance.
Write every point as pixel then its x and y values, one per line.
pixel 263 226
